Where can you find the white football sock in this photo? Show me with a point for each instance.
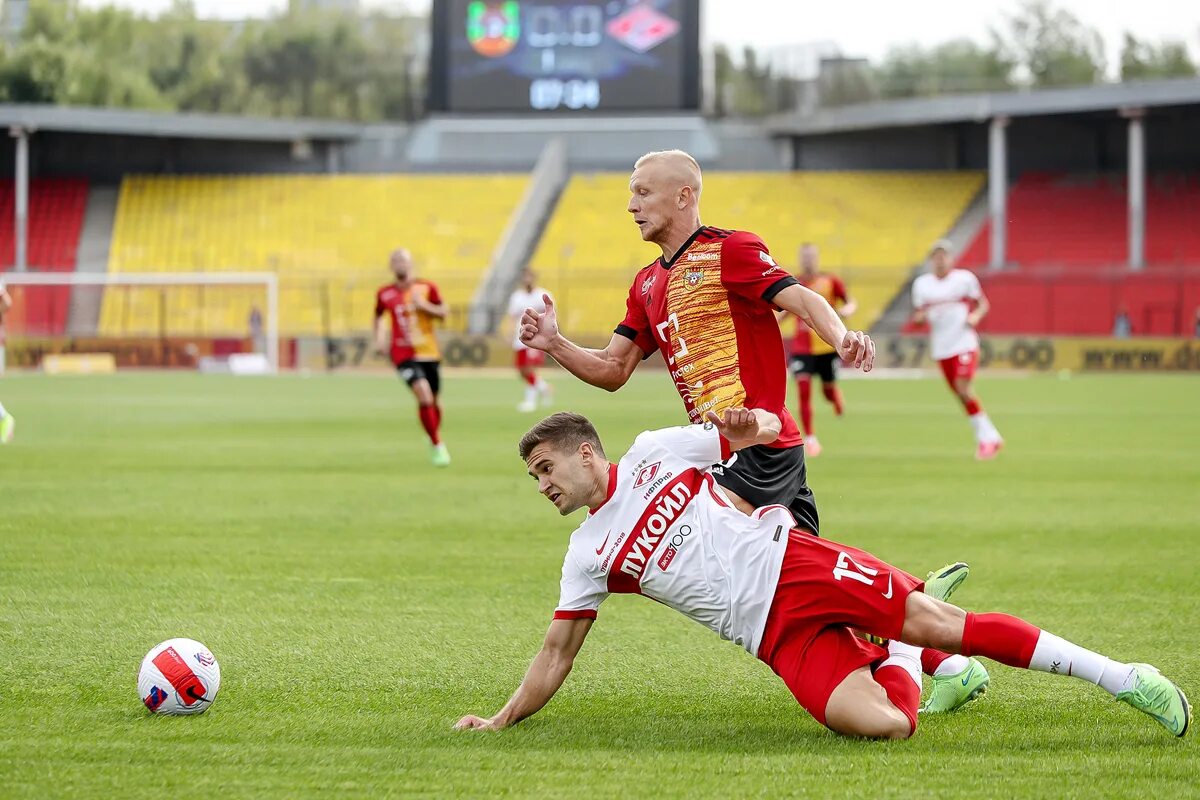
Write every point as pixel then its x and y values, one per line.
pixel 951 666
pixel 1058 656
pixel 979 426
pixel 3 413
pixel 530 394
pixel 541 386
pixel 905 656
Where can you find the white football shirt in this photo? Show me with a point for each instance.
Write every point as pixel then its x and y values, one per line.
pixel 518 302
pixel 667 531
pixel 946 303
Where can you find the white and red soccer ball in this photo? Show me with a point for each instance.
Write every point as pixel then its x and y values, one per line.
pixel 179 676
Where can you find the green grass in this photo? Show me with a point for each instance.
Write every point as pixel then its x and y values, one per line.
pixel 360 601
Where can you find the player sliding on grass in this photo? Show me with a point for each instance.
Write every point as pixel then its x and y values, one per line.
pixel 708 304
pixel 659 526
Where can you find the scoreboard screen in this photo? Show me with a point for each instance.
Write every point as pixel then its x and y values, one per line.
pixel 565 55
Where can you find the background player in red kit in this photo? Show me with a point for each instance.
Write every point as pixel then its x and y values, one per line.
pixel 709 304
pixel 404 313
pixel 810 355
pixel 657 527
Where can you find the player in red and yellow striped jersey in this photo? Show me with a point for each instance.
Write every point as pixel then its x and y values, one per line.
pixel 405 311
pixel 809 353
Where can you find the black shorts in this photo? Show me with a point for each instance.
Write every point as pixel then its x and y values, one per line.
pixel 412 371
pixel 764 476
pixel 824 365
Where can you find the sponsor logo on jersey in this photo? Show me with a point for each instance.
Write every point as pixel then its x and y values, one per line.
pixel 704 255
pixel 647 474
pixel 648 284
pixel 645 537
pixel 677 541
pixel 766 259
pixel 692 280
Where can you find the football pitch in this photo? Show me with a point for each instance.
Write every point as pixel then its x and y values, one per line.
pixel 360 601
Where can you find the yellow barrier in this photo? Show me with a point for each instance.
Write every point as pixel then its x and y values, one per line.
pixel 79 364
pixel 1096 354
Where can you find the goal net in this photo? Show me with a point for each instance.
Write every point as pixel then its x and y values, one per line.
pixel 163 319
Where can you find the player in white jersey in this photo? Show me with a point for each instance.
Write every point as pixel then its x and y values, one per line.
pixel 953 304
pixel 658 525
pixel 7 423
pixel 528 295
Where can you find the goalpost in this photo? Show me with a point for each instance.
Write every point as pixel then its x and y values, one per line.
pixel 152 305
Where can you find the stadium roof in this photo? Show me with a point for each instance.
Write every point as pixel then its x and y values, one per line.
pixel 982 107
pixel 68 119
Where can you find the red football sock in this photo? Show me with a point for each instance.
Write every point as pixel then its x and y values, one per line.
pixel 429 421
pixel 438 419
pixel 1000 637
pixel 529 378
pixel 805 385
pixel 904 693
pixel 972 406
pixel 931 659
pixel 833 393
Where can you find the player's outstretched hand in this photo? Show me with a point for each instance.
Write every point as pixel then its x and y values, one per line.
pixel 736 425
pixel 539 330
pixel 473 723
pixel 858 349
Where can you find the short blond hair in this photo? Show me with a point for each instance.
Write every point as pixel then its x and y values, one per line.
pixel 686 168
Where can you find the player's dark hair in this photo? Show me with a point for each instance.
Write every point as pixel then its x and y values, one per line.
pixel 563 431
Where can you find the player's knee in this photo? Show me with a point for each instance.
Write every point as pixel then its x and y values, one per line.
pixel 876 720
pixel 932 623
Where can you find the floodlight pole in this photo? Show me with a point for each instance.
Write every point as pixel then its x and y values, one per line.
pixel 998 189
pixel 1136 175
pixel 21 207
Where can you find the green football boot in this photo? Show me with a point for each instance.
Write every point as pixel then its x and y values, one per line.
pixel 1153 694
pixel 439 455
pixel 951 692
pixel 941 583
pixel 7 426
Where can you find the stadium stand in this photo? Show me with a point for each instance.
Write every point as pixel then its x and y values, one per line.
pixel 327 236
pixel 872 227
pixel 1067 239
pixel 56 211
pixel 1070 221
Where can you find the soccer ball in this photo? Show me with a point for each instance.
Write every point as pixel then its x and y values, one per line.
pixel 179 676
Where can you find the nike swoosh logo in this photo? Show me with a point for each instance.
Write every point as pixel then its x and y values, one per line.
pixel 888 594
pixel 967 677
pixel 600 549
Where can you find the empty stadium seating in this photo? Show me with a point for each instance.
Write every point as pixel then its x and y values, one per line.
pixel 1068 242
pixel 327 236
pixel 1057 220
pixel 872 228
pixel 56 211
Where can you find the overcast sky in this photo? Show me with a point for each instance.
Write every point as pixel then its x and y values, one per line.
pixel 866 28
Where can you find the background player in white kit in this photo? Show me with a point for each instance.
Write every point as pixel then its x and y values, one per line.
pixel 944 298
pixel 658 525
pixel 528 295
pixel 7 423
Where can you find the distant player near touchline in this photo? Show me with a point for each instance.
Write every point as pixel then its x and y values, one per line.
pixel 8 424
pixel 657 525
pixel 944 298
pixel 528 295
pixel 810 355
pixel 405 310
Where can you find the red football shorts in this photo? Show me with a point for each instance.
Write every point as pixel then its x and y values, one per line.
pixel 825 589
pixel 528 357
pixel 960 366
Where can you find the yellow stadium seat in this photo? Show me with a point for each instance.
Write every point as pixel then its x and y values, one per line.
pixel 871 228
pixel 327 237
